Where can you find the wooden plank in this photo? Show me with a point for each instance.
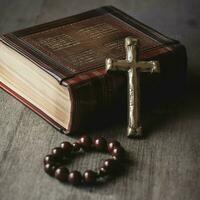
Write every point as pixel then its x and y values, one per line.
pixel 163 166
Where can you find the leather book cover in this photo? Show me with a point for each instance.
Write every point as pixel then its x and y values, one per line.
pixel 73 51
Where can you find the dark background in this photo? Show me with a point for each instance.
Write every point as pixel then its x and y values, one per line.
pixel 165 165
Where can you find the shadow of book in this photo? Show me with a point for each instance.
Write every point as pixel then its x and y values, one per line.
pixel 184 105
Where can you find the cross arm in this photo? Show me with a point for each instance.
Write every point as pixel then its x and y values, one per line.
pixel 117 65
pixel 148 66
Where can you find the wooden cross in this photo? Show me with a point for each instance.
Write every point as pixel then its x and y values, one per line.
pixel 133 67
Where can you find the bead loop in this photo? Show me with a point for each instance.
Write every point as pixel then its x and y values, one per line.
pixel 54 163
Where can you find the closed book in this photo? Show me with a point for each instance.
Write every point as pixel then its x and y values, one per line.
pixel 57 69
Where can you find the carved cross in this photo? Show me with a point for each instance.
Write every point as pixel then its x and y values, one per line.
pixel 133 67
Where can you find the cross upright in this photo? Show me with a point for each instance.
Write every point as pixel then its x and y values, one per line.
pixel 133 67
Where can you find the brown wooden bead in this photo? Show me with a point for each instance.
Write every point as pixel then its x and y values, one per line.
pixel 110 165
pixel 57 151
pixel 89 177
pixel 50 169
pixel 76 146
pixel 61 174
pixel 66 147
pixel 103 171
pixel 118 153
pixel 113 144
pixel 74 177
pixel 85 142
pixel 49 159
pixel 100 144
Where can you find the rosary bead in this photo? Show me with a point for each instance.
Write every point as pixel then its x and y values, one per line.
pixel 49 159
pixel 74 177
pixel 100 144
pixel 85 142
pixel 113 144
pixel 50 169
pixel 61 174
pixel 109 165
pixel 103 171
pixel 89 177
pixel 118 153
pixel 57 151
pixel 66 147
pixel 76 146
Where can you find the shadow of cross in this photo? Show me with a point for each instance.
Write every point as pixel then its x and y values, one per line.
pixel 133 67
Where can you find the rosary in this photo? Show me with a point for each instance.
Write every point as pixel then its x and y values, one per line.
pixel 54 163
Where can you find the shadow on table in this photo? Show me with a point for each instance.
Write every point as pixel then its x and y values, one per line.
pixel 184 106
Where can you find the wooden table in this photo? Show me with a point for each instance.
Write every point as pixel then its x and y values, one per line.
pixel 165 165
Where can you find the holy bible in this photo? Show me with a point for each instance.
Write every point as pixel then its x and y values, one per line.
pixel 57 69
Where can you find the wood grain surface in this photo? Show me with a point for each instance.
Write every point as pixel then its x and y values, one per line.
pixel 165 165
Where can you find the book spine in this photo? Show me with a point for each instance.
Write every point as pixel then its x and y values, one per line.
pixel 100 98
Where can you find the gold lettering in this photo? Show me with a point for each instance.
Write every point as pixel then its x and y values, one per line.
pixel 59 42
pixel 98 30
